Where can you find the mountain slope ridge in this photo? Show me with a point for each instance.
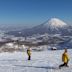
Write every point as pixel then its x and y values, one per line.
pixel 52 26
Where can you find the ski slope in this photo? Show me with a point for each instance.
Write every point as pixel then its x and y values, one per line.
pixel 43 61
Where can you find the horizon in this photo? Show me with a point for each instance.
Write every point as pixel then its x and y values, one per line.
pixel 30 13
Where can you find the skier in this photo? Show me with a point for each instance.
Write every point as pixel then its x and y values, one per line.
pixel 65 59
pixel 29 53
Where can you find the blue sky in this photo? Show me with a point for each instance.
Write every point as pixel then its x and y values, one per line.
pixel 34 12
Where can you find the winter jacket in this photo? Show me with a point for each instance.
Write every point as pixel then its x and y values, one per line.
pixel 29 52
pixel 65 57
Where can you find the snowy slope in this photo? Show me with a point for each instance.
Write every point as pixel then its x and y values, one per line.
pixel 44 61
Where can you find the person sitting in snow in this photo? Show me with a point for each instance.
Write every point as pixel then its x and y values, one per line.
pixel 65 59
pixel 29 53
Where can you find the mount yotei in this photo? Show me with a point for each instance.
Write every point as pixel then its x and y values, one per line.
pixel 52 26
pixel 53 32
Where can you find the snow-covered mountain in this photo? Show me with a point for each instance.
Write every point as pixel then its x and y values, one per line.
pixel 52 26
pixel 55 23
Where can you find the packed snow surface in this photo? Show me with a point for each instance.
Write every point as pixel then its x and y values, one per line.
pixel 42 61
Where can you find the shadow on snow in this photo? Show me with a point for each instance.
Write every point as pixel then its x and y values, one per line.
pixel 45 67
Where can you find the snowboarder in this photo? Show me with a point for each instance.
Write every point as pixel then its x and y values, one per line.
pixel 65 59
pixel 29 53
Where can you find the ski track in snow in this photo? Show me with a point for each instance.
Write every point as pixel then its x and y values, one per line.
pixel 45 61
